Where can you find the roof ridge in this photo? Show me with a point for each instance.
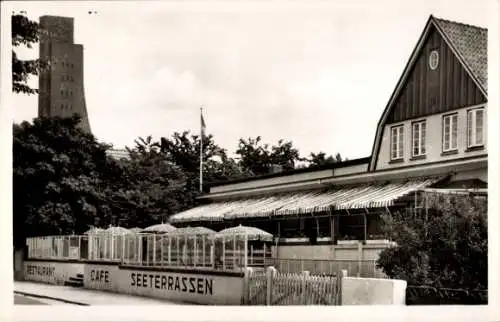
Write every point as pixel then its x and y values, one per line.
pixel 459 23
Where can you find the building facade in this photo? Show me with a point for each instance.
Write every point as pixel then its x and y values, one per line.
pixel 61 89
pixel 432 136
pixel 118 154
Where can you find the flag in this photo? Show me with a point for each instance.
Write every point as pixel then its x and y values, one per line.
pixel 203 126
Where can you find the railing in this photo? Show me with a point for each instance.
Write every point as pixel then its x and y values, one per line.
pixel 272 287
pixel 364 268
pixel 57 247
pixel 160 250
pixel 199 251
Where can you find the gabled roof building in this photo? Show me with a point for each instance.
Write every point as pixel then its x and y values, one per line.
pixel 432 135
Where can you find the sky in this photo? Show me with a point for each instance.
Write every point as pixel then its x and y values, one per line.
pixel 317 73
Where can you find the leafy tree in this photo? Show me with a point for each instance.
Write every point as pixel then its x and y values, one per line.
pixel 57 181
pixel 444 247
pixel 24 32
pixel 254 156
pixel 183 150
pixel 319 159
pixel 143 190
pixel 258 158
pixel 146 146
pixel 285 155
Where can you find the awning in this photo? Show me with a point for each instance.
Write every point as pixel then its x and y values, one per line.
pixel 464 191
pixel 375 195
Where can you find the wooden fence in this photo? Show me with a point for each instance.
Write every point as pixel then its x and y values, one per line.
pixel 271 287
pixel 357 268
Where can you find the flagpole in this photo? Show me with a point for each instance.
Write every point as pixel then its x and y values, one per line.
pixel 201 149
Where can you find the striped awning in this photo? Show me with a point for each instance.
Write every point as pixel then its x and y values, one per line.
pixel 359 197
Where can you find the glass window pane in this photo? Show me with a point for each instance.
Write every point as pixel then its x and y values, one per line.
pixel 469 128
pixel 454 132
pixel 479 127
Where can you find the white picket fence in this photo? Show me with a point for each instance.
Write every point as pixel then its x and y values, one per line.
pixel 270 287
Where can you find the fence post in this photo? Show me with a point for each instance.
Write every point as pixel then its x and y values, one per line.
pixel 162 241
pixel 360 256
pixel 246 285
pixel 245 249
pixel 154 251
pixel 342 273
pixel 270 272
pixel 169 249
pixel 80 247
pixel 303 293
pixel 122 259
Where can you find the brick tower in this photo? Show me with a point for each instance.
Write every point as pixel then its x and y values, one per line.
pixel 61 91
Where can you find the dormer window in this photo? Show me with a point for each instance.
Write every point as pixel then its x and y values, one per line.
pixel 475 128
pixel 397 142
pixel 418 139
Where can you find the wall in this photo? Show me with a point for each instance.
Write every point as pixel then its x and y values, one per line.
pixel 344 250
pixel 51 272
pixel 434 129
pixel 190 286
pixel 101 277
pixel 373 291
pixel 353 256
pixel 360 168
pixel 273 181
pixel 18 264
pixel 428 92
pixel 481 174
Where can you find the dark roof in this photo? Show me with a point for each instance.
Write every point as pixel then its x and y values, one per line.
pixel 291 172
pixel 471 43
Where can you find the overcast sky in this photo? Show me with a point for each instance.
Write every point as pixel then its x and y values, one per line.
pixel 317 73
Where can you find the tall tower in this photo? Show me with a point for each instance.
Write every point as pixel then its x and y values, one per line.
pixel 61 91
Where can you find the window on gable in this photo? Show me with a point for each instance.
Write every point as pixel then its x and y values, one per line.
pixel 475 127
pixel 397 142
pixel 434 60
pixel 418 138
pixel 450 132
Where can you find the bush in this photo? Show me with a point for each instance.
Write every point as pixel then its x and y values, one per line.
pixel 445 246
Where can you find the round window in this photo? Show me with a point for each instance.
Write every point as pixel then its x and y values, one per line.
pixel 434 59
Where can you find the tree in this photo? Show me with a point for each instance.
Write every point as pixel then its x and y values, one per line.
pixel 24 32
pixel 57 180
pixel 258 159
pixel 447 247
pixel 285 155
pixel 254 156
pixel 319 159
pixel 183 150
pixel 143 190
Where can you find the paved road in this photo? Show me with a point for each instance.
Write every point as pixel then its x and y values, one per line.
pixel 56 294
pixel 23 300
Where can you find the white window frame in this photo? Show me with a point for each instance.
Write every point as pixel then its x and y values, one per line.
pixel 418 135
pixel 472 129
pixel 397 136
pixel 450 132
